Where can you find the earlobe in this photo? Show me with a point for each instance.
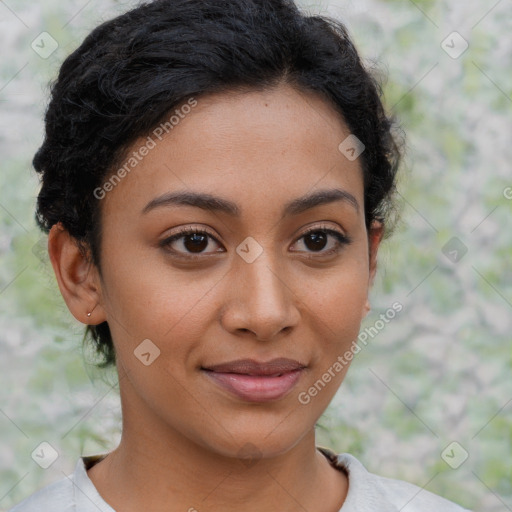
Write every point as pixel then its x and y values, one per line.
pixel 76 276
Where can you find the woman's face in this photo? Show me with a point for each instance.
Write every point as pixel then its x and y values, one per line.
pixel 250 285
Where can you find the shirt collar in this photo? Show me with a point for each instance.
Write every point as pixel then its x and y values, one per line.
pixel 363 487
pixel 86 497
pixel 365 490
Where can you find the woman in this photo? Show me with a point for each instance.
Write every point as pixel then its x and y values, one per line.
pixel 216 180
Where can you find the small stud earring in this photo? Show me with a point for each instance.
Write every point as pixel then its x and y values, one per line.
pixel 89 314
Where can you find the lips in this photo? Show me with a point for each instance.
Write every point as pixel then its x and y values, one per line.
pixel 255 381
pixel 252 367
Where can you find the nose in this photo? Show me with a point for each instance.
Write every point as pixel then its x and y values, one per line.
pixel 261 299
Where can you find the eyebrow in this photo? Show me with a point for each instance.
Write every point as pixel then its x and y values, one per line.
pixel 218 204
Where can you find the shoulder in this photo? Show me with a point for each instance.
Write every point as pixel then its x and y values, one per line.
pixel 57 497
pixel 368 491
pixel 73 493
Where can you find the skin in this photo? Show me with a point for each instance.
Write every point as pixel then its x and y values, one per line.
pixel 183 437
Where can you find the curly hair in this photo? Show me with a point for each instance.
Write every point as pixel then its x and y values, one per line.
pixel 131 71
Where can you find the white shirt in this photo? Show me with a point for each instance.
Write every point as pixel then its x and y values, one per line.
pixel 367 492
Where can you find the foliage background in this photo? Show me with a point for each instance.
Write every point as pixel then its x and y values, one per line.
pixel 439 372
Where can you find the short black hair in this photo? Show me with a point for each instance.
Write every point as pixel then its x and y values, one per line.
pixel 131 71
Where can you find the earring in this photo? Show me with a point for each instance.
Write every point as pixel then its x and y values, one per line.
pixel 89 314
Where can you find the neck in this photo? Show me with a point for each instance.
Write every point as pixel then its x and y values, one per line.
pixel 159 469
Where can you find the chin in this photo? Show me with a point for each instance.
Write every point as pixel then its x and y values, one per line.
pixel 257 442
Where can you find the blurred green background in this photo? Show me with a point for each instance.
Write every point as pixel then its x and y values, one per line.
pixel 439 372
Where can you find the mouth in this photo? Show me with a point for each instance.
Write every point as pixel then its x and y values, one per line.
pixel 254 381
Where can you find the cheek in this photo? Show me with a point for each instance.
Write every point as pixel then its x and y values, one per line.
pixel 336 300
pixel 335 312
pixel 154 301
pixel 170 306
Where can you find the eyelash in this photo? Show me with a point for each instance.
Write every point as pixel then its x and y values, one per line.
pixel 342 240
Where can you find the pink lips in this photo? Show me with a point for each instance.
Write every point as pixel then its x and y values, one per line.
pixel 257 382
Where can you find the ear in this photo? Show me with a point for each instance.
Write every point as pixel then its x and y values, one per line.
pixel 375 234
pixel 77 277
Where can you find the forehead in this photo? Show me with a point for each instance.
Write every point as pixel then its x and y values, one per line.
pixel 259 146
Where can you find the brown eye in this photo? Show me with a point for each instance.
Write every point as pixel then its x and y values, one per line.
pixel 192 241
pixel 317 239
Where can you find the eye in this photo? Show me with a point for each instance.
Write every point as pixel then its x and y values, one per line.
pixel 194 241
pixel 317 238
pixel 191 239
